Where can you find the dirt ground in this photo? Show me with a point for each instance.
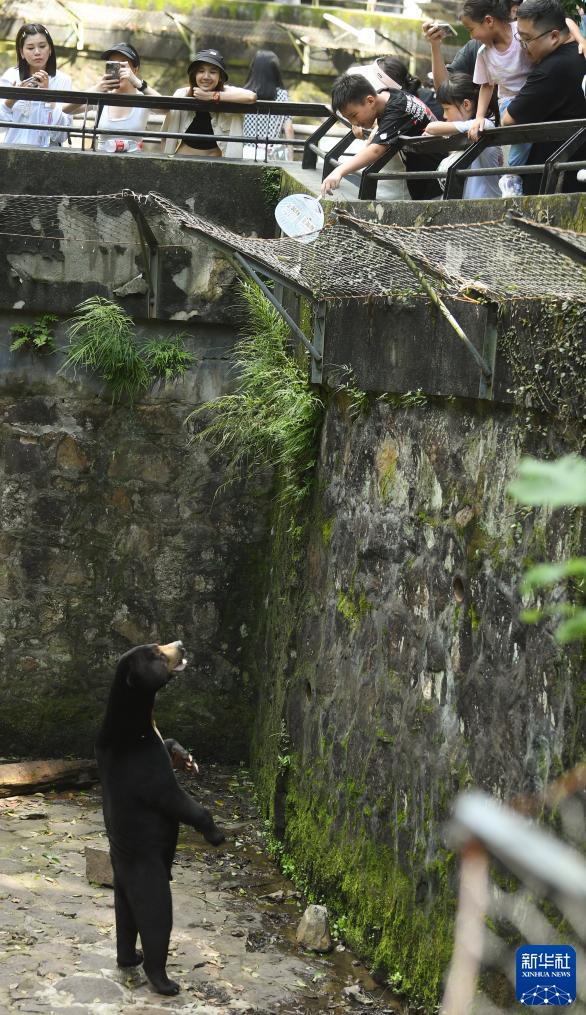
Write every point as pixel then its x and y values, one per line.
pixel 233 947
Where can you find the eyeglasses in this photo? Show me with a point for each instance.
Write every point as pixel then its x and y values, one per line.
pixel 527 42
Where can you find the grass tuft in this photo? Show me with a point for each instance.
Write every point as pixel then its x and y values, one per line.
pixel 273 418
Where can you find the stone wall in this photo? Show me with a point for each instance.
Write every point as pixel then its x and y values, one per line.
pixel 113 536
pixel 113 532
pixel 401 671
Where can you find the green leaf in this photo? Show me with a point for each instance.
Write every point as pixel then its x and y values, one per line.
pixel 572 629
pixel 18 343
pixel 551 574
pixel 556 484
pixel 531 616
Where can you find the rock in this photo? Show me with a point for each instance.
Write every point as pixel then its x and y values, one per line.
pixel 274 896
pixel 313 931
pixel 91 988
pixel 98 867
pixel 356 995
pixel 464 516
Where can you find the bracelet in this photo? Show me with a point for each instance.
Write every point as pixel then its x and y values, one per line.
pixel 143 85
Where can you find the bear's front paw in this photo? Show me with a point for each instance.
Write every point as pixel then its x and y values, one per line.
pixel 216 837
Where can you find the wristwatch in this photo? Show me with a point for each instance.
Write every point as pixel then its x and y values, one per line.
pixel 143 85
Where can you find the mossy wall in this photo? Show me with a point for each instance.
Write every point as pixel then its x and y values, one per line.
pixel 398 671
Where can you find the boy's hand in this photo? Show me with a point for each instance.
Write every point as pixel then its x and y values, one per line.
pixel 476 129
pixel 331 182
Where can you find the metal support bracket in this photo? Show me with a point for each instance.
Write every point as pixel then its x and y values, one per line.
pixel 314 351
pixel 150 253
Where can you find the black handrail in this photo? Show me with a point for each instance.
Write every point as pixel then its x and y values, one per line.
pixel 570 133
pixel 311 110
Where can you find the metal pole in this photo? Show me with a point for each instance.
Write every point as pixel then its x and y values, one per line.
pixel 278 306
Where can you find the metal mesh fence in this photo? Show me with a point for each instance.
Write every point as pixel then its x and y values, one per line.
pixel 351 259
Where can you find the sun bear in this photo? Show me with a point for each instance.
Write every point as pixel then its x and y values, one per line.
pixel 143 806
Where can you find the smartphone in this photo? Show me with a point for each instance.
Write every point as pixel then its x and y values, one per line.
pixel 32 81
pixel 445 29
pixel 113 69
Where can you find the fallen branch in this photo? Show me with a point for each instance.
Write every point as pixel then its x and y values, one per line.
pixel 36 776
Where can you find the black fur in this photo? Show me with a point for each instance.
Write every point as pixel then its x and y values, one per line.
pixel 143 806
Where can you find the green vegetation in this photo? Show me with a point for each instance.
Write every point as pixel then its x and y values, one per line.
pixel 272 419
pixel 35 337
pixel 372 897
pixel 543 346
pixel 102 339
pixel 556 484
pixel 167 358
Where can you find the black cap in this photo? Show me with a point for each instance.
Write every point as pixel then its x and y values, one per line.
pixel 126 49
pixel 212 56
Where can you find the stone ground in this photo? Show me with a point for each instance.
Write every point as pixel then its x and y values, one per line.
pixel 232 949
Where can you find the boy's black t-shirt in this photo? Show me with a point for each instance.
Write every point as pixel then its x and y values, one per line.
pixel 406 114
pixel 403 114
pixel 552 91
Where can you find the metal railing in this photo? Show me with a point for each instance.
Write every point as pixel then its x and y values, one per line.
pixel 90 129
pixel 571 135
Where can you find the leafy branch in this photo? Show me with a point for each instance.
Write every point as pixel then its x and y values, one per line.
pixel 555 484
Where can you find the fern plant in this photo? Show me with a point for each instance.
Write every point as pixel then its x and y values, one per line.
pixel 101 338
pixel 167 359
pixel 37 336
pixel 273 417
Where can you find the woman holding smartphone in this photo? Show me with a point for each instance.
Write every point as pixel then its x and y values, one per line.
pixel 36 68
pixel 121 77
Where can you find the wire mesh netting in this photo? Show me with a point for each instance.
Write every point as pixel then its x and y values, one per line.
pixel 351 259
pixel 105 219
pixel 355 259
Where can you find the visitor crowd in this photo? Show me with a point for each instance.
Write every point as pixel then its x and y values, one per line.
pixel 523 64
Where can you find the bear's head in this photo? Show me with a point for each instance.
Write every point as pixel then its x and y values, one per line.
pixel 149 667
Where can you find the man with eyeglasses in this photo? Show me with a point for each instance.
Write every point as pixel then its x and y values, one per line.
pixel 553 90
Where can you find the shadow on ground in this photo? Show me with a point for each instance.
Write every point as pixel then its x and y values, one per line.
pixel 233 946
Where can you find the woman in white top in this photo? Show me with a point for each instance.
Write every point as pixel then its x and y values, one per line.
pixel 122 118
pixel 207 82
pixel 37 68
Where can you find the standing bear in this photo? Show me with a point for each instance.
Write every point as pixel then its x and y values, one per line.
pixel 143 806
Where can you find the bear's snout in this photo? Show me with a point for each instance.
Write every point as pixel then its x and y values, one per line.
pixel 175 654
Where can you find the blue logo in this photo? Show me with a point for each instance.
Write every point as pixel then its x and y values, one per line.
pixel 545 974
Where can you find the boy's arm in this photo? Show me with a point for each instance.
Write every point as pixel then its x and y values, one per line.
pixel 366 157
pixel 484 98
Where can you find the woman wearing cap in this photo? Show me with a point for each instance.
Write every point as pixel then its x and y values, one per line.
pixel 122 118
pixel 207 81
pixel 36 68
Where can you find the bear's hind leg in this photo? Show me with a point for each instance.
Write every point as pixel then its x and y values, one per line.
pixel 149 895
pixel 127 954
